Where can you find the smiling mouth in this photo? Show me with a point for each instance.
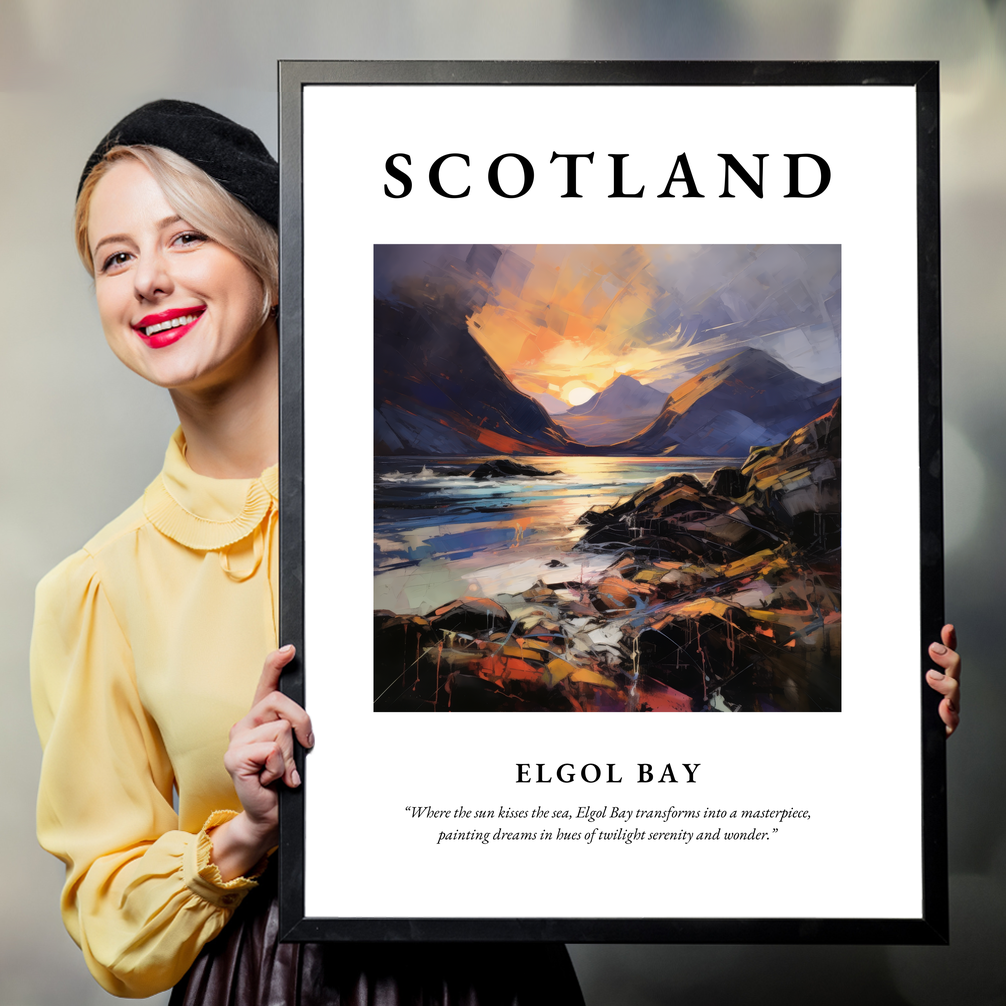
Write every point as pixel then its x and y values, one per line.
pixel 167 321
pixel 185 319
pixel 167 327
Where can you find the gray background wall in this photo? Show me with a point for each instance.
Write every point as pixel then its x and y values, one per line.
pixel 81 436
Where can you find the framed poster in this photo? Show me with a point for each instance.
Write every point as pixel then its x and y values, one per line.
pixel 612 388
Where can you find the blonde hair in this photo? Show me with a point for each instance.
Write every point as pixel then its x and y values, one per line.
pixel 199 200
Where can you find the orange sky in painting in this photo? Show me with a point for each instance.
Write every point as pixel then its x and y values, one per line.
pixel 567 317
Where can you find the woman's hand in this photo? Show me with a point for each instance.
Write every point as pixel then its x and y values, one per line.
pixel 947 682
pixel 260 753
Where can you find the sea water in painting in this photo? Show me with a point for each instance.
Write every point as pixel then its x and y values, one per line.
pixel 607 478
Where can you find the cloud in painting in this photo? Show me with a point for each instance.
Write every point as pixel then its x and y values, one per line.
pixel 558 319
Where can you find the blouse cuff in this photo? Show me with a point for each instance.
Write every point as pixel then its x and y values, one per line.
pixel 202 876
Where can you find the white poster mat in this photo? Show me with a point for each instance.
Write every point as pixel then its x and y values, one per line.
pixel 857 772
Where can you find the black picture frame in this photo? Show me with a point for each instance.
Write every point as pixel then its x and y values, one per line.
pixel 932 925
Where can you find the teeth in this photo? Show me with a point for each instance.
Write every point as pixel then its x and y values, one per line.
pixel 174 323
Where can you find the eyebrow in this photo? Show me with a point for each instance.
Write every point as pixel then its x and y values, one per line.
pixel 160 225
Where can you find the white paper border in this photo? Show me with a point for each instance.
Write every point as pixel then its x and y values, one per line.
pixel 858 771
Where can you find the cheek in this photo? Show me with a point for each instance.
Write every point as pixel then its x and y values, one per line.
pixel 224 279
pixel 114 314
pixel 246 300
pixel 254 292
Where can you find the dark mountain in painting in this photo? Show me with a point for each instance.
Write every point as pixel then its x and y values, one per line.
pixel 619 412
pixel 741 402
pixel 436 391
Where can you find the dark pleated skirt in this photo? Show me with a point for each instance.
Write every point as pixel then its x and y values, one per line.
pixel 246 965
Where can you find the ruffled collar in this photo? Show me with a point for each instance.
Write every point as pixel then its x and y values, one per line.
pixel 203 513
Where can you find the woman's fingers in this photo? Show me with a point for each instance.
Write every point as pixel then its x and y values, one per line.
pixel 950 716
pixel 277 706
pixel 274 766
pixel 949 636
pixel 947 680
pixel 270 703
pixel 260 761
pixel 271 671
pixel 278 735
pixel 948 709
pixel 949 660
pixel 944 684
pixel 261 749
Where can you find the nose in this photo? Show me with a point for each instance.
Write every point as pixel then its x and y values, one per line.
pixel 152 276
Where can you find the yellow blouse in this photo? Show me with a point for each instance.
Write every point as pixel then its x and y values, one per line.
pixel 147 647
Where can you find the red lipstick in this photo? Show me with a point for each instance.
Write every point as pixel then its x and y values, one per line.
pixel 165 333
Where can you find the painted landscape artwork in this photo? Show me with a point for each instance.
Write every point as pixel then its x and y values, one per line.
pixel 607 478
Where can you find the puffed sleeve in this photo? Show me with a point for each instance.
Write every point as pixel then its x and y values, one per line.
pixel 141 898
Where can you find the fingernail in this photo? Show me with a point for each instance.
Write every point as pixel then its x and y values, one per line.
pixel 295 777
pixel 310 740
pixel 936 675
pixel 938 648
pixel 287 649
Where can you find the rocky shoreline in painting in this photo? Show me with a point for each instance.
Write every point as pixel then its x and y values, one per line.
pixel 720 595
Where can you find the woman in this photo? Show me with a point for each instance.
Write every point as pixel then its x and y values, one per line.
pixel 149 642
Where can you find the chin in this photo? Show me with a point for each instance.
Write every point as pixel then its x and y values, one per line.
pixel 170 374
pixel 176 382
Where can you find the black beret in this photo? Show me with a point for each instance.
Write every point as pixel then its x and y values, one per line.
pixel 231 154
